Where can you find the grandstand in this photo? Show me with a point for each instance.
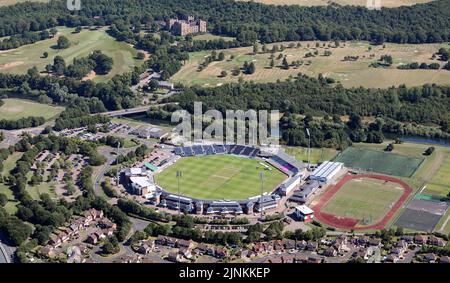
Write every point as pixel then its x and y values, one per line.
pixel 199 150
pixel 172 201
pixel 286 163
pixel 224 207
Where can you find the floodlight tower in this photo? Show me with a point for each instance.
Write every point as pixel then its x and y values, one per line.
pixel 261 177
pixel 117 164
pixel 179 195
pixel 309 147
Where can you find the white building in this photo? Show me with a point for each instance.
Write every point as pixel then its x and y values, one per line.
pixel 290 184
pixel 142 186
pixel 326 171
pixel 304 213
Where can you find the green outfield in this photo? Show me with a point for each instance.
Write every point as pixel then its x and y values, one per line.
pixel 364 199
pixel 380 162
pixel 220 177
pixel 14 109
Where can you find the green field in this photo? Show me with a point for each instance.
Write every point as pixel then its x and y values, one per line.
pixel 12 2
pixel 349 73
pixel 21 59
pixel 367 199
pixel 380 162
pixel 219 177
pixel 8 165
pixel 318 155
pixel 14 109
pixel 440 183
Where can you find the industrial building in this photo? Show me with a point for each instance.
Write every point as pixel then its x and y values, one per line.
pixel 326 171
pixel 143 186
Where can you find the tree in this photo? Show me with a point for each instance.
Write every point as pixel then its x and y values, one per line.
pixel 221 56
pixel 255 48
pixel 78 29
pixel 63 42
pixel 140 55
pixel 3 199
pixel 223 74
pixel 272 63
pixel 153 85
pixel 285 64
pixel 45 54
pixel 53 31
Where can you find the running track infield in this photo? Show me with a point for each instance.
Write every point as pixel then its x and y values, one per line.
pixel 350 223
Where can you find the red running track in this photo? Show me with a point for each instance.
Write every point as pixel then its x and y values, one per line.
pixel 350 223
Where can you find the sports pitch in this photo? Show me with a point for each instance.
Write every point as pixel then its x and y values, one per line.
pixel 380 162
pixel 364 199
pixel 220 177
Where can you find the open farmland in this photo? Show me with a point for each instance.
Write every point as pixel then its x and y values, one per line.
pixel 14 109
pixel 349 73
pixel 219 177
pixel 384 3
pixel 19 60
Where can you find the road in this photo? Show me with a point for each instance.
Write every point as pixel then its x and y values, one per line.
pixel 6 251
pixel 135 110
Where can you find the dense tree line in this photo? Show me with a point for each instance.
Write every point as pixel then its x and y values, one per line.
pixel 25 38
pixel 26 122
pixel 247 21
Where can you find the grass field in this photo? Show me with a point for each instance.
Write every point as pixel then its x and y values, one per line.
pixel 367 199
pixel 208 36
pixel 14 109
pixel 8 165
pixel 12 2
pixel 219 177
pixel 21 59
pixel 440 183
pixel 317 154
pixel 380 162
pixel 350 74
pixel 384 3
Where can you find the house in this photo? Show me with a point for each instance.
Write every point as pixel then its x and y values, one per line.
pixel 444 259
pixel 243 254
pixel 201 249
pixel 106 224
pixel 278 245
pixel 407 238
pixel 301 245
pixel 221 252
pixel 435 241
pixel 92 239
pixel 100 235
pixel 430 258
pixel 362 253
pixel 108 232
pixel 185 244
pixel 55 241
pixel 64 236
pixel 146 247
pixel 166 241
pixel 96 214
pixel 391 258
pixel 175 256
pixel 374 242
pixel 313 259
pixel 312 246
pixel 361 241
pixel 330 252
pixel 74 228
pixel 402 246
pixel 47 251
pixel 289 244
pixel 420 239
pixel 186 252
